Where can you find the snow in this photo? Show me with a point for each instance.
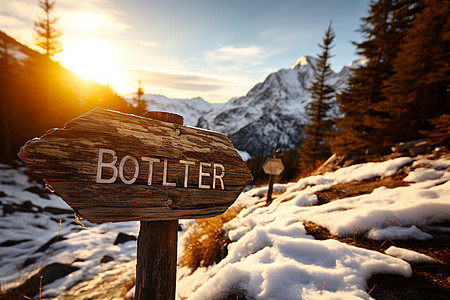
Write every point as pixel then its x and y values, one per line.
pixel 190 109
pixel 19 55
pixel 303 61
pixel 398 233
pixel 274 262
pixel 81 248
pixel 409 255
pixel 270 256
pixel 244 155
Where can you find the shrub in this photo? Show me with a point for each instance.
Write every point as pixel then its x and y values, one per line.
pixel 206 241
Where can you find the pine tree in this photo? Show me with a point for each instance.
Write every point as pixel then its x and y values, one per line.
pixel 362 125
pixel 419 88
pixel 7 62
pixel 139 101
pixel 315 146
pixel 47 34
pixel 440 134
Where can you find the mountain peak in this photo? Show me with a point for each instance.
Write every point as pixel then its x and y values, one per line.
pixel 303 61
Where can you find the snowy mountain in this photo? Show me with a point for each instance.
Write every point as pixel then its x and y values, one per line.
pixel 273 113
pixel 190 109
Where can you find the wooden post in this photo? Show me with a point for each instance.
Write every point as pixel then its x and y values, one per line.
pixel 114 167
pixel 273 166
pixel 269 192
pixel 156 268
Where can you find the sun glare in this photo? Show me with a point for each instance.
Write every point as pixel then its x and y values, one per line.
pixel 90 59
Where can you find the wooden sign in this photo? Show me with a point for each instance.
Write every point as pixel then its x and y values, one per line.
pixel 112 167
pixel 273 166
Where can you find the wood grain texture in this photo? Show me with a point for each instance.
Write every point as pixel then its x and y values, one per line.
pixel 156 266
pixel 68 159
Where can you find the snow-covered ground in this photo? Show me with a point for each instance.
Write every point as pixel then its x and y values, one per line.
pixel 271 256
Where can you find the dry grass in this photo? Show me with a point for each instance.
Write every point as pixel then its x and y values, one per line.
pixel 128 286
pixel 309 168
pixel 206 241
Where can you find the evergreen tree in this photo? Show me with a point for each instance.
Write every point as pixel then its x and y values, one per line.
pixel 362 125
pixel 25 110
pixel 440 134
pixel 139 101
pixel 419 88
pixel 315 146
pixel 7 64
pixel 47 34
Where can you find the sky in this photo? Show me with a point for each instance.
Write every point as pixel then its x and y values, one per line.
pixel 189 48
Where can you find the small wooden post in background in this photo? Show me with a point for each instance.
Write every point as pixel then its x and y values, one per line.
pixel 156 268
pixel 270 191
pixel 273 166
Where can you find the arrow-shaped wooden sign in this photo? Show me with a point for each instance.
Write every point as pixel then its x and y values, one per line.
pixel 112 167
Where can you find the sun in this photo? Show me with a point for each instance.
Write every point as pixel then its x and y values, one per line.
pixel 89 58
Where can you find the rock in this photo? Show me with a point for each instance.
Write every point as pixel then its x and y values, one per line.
pixel 106 259
pixel 29 261
pixel 50 242
pixel 27 206
pixel 43 193
pixel 49 274
pixel 58 211
pixel 55 271
pixel 10 243
pixel 123 238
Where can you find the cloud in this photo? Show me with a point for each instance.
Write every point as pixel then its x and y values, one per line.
pixel 89 16
pixel 86 21
pixel 240 52
pixel 237 61
pixel 178 81
pixel 236 54
pixel 10 21
pixel 149 44
pixel 20 9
